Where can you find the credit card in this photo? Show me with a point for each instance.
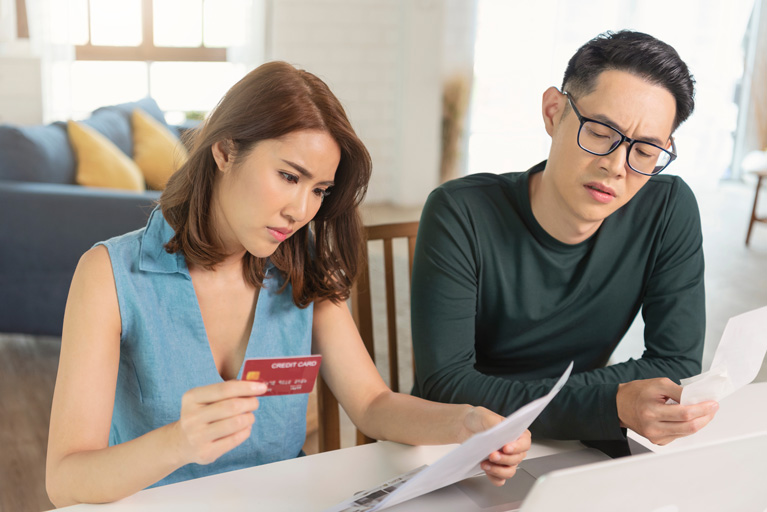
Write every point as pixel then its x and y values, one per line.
pixel 284 375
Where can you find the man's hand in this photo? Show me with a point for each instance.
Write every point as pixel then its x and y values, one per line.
pixel 642 407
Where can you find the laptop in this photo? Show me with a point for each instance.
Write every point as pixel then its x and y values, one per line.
pixel 724 476
pixel 727 476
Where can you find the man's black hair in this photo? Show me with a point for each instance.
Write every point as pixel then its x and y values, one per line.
pixel 639 54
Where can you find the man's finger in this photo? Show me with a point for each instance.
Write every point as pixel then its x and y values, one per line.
pixel 686 413
pixel 665 388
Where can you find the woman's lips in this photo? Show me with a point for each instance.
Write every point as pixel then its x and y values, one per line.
pixel 279 234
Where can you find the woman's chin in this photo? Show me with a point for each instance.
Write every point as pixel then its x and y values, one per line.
pixel 262 251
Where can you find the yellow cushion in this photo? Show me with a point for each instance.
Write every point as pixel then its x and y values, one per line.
pixel 156 151
pixel 100 163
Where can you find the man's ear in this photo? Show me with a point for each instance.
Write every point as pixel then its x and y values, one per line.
pixel 552 107
pixel 222 154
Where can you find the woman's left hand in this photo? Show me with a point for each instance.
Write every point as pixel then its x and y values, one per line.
pixel 502 463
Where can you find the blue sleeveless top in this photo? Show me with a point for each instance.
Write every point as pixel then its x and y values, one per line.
pixel 164 351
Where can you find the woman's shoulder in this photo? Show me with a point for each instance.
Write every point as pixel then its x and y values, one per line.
pixel 94 258
pixel 93 275
pixel 122 240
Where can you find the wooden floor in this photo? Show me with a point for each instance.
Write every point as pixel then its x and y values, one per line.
pixel 27 375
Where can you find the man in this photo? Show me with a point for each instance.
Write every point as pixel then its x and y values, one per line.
pixel 515 275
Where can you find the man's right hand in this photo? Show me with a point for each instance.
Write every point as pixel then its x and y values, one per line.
pixel 642 407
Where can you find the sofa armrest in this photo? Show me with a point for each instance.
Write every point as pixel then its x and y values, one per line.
pixel 45 229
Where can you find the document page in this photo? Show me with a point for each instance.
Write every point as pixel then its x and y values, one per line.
pixel 737 360
pixel 461 463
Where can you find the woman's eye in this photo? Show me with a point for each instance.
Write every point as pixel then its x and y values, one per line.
pixel 290 178
pixel 323 193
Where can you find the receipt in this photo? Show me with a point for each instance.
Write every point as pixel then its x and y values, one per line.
pixel 737 360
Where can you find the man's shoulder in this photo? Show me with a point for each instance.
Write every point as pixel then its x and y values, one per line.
pixel 479 186
pixel 665 204
pixel 668 184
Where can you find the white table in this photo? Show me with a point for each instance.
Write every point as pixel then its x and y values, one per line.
pixel 320 481
pixel 303 484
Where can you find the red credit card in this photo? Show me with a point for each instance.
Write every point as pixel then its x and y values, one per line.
pixel 283 375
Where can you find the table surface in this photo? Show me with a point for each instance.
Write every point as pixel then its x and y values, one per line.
pixel 319 481
pixel 315 482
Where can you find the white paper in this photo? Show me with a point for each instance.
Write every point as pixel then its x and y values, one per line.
pixel 737 360
pixel 458 464
pixel 365 501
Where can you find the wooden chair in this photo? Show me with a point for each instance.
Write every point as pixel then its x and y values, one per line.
pixel 754 218
pixel 329 425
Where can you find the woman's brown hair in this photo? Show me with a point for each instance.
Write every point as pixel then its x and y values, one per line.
pixel 271 101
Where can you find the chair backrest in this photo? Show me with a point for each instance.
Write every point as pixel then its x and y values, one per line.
pixel 362 311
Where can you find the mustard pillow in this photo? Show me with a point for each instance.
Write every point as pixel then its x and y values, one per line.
pixel 100 163
pixel 156 151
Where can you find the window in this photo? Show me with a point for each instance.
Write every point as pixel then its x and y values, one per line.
pixel 153 30
pixel 172 50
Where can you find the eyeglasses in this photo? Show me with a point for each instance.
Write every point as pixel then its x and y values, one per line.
pixel 601 139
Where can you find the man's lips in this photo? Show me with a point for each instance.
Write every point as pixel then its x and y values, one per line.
pixel 280 234
pixel 601 193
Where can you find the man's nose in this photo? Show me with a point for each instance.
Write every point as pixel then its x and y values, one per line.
pixel 615 163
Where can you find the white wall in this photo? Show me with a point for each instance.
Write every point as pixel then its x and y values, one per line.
pixel 20 90
pixel 384 61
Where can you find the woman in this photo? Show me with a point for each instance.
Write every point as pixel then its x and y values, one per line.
pixel 159 321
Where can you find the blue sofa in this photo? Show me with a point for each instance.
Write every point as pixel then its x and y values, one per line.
pixel 47 221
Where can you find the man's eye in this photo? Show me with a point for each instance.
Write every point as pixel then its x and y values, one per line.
pixel 597 135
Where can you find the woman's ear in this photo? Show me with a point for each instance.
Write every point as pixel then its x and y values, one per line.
pixel 552 107
pixel 222 154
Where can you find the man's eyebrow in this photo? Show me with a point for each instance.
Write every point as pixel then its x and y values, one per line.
pixel 606 120
pixel 305 173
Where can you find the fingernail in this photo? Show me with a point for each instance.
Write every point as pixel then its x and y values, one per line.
pixel 258 387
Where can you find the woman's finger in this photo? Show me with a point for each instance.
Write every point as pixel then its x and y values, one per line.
pixel 498 473
pixel 506 459
pixel 227 408
pixel 224 390
pixel 217 448
pixel 228 426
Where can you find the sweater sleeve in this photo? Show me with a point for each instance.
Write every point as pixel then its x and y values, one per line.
pixel 444 305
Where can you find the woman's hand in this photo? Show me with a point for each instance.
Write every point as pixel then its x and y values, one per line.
pixel 501 464
pixel 215 419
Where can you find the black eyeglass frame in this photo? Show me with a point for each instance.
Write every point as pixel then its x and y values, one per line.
pixel 582 119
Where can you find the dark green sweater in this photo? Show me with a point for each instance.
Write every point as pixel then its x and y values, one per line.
pixel 499 307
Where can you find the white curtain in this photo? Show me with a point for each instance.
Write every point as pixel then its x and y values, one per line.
pixel 250 48
pixel 50 22
pixel 7 23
